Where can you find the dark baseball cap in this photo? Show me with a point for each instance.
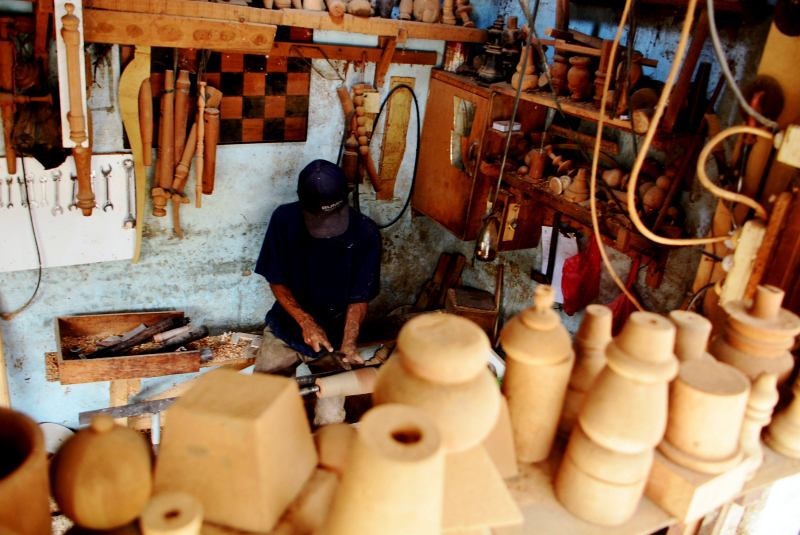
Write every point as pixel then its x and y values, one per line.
pixel 322 189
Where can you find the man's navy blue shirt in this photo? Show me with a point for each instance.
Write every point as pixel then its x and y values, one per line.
pixel 325 275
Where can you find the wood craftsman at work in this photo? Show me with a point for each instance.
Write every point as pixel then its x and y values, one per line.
pixel 399 267
pixel 322 261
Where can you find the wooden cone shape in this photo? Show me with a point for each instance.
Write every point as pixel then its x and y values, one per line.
pixel 783 434
pixel 626 409
pixel 578 191
pixel 24 487
pixel 538 366
pixel 440 366
pixel 591 340
pixel 102 476
pixel 397 464
pixel 241 444
pixel 706 411
pixel 526 74
pixel 758 335
pixel 598 484
pixel 691 336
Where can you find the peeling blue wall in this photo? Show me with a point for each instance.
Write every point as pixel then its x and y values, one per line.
pixel 208 274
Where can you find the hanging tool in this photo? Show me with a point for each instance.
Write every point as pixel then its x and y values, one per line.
pixel 9 180
pixel 43 181
pixel 130 221
pixel 74 204
pixel 106 175
pixel 30 191
pixel 23 192
pixel 57 210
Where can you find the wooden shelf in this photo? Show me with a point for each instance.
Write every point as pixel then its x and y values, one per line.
pixel 317 20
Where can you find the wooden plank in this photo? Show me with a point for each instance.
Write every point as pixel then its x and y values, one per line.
pixel 575 35
pixel 176 32
pixel 137 71
pixel 107 324
pixel 349 53
pixel 72 372
pixel 121 390
pixel 395 132
pixel 191 8
pixel 453 272
pixel 386 60
pixel 769 244
pixel 609 147
pixel 5 397
pixel 744 257
pixel 432 290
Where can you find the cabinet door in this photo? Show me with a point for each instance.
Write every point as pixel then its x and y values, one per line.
pixel 455 120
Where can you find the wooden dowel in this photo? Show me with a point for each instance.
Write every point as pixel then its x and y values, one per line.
pixel 182 86
pixel 211 138
pixel 146 121
pixel 167 125
pixel 201 104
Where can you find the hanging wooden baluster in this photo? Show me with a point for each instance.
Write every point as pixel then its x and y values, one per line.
pixel 179 183
pixel 363 139
pixel 77 121
pixel 167 125
pixel 201 104
pixel 211 118
pixel 182 86
pixel 160 195
pixel 146 120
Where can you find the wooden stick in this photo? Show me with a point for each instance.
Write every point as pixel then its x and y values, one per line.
pixel 212 137
pixel 146 121
pixel 201 104
pixel 167 126
pixel 8 56
pixel 77 122
pixel 182 86
pixel 5 397
pixel 179 183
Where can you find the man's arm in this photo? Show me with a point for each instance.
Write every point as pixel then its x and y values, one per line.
pixel 313 334
pixel 352 324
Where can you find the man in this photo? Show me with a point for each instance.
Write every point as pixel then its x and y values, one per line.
pixel 322 261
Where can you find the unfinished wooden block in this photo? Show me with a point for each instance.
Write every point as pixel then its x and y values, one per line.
pixel 689 495
pixel 783 434
pixel 241 444
pixel 758 334
pixel 500 444
pixel 333 446
pixel 309 510
pixel 763 398
pixel 706 411
pixel 397 463
pixel 102 476
pixel 419 374
pixel 24 486
pixel 590 343
pixel 691 335
pixel 538 367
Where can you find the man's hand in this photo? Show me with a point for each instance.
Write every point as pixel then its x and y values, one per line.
pixel 315 336
pixel 351 355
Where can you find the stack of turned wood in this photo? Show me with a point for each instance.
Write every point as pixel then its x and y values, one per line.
pixel 420 10
pixel 176 148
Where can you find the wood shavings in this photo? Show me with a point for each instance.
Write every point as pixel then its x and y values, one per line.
pixel 51 367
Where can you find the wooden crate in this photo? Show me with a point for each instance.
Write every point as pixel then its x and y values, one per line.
pixel 459 300
pixel 75 371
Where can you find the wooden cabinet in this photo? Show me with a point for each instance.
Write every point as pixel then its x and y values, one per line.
pixel 451 189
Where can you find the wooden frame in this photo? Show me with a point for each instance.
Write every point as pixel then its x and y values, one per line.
pixel 72 371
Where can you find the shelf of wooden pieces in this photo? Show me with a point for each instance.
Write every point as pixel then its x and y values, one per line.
pixel 84 331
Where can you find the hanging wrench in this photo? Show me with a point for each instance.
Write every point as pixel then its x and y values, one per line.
pixel 57 210
pixel 108 204
pixel 1 196
pixel 74 204
pixel 43 202
pixel 30 190
pixel 94 188
pixel 9 181
pixel 130 221
pixel 23 192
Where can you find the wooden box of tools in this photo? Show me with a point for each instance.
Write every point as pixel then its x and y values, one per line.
pixel 476 305
pixel 97 327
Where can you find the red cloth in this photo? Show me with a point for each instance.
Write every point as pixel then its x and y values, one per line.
pixel 580 278
pixel 622 307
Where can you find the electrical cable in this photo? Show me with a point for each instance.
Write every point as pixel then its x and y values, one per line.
pixel 7 316
pixel 723 63
pixel 416 155
pixel 699 292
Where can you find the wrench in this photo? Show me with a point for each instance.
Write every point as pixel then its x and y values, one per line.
pixel 74 204
pixel 107 174
pixel 130 221
pixel 22 194
pixel 57 210
pixel 29 189
pixel 9 181
pixel 43 202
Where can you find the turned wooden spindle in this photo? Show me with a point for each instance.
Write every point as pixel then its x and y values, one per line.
pixel 211 128
pixel 182 85
pixel 406 8
pixel 167 125
pixel 336 8
pixel 146 120
pixel 201 104
pixel 179 183
pixel 363 140
pixel 77 122
pixel 447 12
pixel 464 10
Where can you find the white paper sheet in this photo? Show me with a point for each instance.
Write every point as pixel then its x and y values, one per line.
pixel 567 248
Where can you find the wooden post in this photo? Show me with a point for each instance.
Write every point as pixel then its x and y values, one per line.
pixel 182 86
pixel 562 15
pixel 77 121
pixel 5 397
pixel 201 104
pixel 167 126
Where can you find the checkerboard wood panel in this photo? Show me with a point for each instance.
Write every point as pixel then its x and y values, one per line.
pixel 265 99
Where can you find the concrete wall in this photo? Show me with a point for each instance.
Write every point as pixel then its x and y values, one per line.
pixel 209 273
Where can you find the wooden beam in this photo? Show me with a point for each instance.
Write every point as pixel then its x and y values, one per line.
pixel 318 20
pixel 609 147
pixel 383 64
pixel 678 96
pixel 349 53
pixel 176 32
pixel 594 42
